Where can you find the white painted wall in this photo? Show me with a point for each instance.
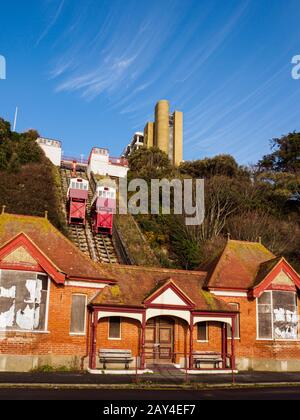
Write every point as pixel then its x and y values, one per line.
pixel 212 318
pixel 53 152
pixel 104 314
pixel 169 297
pixel 117 171
pixel 100 165
pixel 185 315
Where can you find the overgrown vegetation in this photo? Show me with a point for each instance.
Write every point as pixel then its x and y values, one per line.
pixel 53 369
pixel 245 203
pixel 29 181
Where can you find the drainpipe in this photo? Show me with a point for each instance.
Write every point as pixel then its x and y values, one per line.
pixel 143 341
pixel 191 341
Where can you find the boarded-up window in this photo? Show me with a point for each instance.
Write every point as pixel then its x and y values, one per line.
pixel 78 313
pixel 277 315
pixel 202 331
pixel 115 327
pixel 235 307
pixel 23 300
pixel 285 316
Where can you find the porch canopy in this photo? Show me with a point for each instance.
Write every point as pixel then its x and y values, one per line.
pixel 143 294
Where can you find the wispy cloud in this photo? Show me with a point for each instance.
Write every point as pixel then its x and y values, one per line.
pixel 52 22
pixel 130 54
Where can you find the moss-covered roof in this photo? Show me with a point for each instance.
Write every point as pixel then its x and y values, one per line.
pixel 136 284
pixel 240 265
pixel 264 269
pixel 52 243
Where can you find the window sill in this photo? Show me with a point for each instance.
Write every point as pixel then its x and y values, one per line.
pixel 203 341
pixel 270 340
pixel 114 339
pixel 78 334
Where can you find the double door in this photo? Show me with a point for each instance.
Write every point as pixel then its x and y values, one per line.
pixel 159 340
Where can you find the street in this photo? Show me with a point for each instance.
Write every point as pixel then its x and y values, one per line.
pixel 276 393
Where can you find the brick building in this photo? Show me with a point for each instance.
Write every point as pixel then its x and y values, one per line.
pixel 58 307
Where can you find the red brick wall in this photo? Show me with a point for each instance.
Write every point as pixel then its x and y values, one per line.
pixel 130 336
pixel 247 346
pixel 58 341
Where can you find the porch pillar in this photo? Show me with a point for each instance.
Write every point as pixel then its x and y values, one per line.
pixel 191 342
pixel 233 343
pixel 224 344
pixel 143 341
pixel 94 324
pixel 91 338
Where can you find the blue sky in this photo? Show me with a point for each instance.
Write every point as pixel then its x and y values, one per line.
pixel 89 72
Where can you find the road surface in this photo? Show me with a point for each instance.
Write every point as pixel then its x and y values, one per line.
pixel 282 393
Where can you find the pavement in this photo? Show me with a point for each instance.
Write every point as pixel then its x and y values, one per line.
pixel 163 377
pixel 140 398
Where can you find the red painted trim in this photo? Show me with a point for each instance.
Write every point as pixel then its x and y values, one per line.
pixel 143 355
pixel 94 340
pixel 191 361
pixel 176 307
pixel 224 344
pixel 221 314
pixel 233 367
pixel 23 241
pixel 282 288
pixel 281 266
pixel 117 309
pixel 20 267
pixel 170 285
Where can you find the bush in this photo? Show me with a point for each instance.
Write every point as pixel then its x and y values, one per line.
pixel 30 184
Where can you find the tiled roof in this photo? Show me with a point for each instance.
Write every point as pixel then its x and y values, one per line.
pixel 264 269
pixel 239 265
pixel 135 284
pixel 52 243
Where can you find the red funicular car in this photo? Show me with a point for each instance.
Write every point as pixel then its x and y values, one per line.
pixel 77 201
pixel 103 209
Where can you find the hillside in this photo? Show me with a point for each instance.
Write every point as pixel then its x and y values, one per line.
pixel 261 202
pixel 30 184
pixel 251 204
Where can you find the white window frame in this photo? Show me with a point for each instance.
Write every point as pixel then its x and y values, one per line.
pixel 46 330
pixel 47 306
pixel 207 334
pixel 272 317
pixel 81 334
pixel 120 337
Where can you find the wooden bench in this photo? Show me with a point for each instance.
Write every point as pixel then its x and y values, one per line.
pixel 207 357
pixel 115 356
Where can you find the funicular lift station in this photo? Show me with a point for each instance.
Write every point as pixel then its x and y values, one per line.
pixel 78 197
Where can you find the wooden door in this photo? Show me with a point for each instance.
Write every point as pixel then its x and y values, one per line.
pixel 159 340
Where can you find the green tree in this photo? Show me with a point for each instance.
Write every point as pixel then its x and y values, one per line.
pixel 222 165
pixel 286 155
pixel 150 164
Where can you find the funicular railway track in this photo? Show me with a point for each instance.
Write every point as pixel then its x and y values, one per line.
pixel 99 247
